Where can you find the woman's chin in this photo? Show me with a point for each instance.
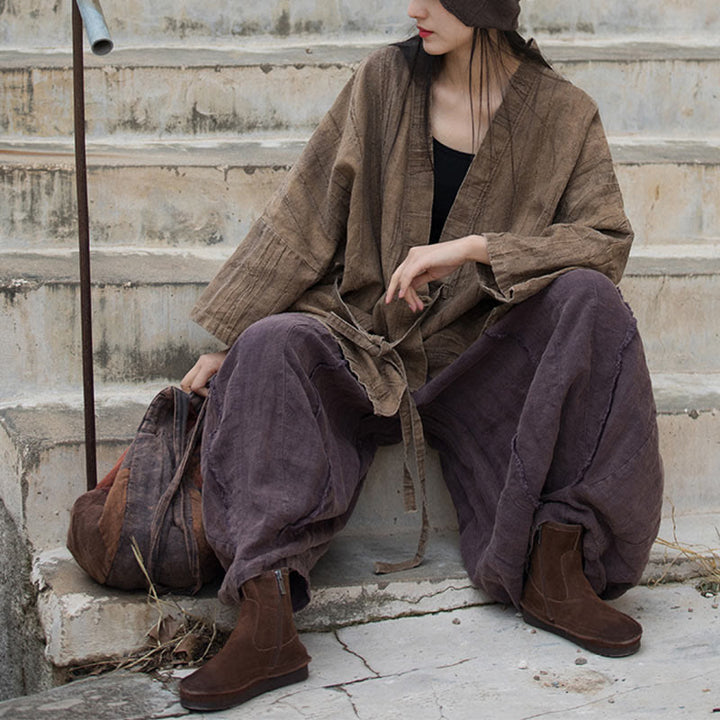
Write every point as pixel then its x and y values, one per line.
pixel 432 48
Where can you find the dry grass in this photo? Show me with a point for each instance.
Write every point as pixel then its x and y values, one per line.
pixel 192 642
pixel 176 639
pixel 706 561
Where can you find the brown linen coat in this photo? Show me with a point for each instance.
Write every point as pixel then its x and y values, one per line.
pixel 542 189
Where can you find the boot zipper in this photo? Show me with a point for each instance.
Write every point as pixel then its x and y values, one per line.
pixel 280 583
pixel 541 566
pixel 282 592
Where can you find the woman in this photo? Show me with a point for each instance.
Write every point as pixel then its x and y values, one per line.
pixel 441 262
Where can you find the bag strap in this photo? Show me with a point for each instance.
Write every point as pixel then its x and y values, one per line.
pixel 181 409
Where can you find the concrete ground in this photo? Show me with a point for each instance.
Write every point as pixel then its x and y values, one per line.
pixel 476 663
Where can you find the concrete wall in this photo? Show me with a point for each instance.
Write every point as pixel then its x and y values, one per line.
pixel 46 23
pixel 23 668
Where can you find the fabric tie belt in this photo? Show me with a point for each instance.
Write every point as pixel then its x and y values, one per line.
pixel 413 439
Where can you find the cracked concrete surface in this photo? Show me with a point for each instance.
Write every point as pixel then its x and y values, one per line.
pixel 466 664
pixel 354 654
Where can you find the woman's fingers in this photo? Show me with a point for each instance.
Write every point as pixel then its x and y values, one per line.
pixel 393 287
pixel 422 265
pixel 402 279
pixel 199 383
pixel 404 284
pixel 197 379
pixel 413 299
pixel 187 381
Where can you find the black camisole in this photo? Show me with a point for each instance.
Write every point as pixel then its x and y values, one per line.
pixel 451 166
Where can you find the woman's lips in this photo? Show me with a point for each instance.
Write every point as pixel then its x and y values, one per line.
pixel 424 33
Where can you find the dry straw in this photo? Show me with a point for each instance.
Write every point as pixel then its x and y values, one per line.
pixel 176 639
pixel 706 560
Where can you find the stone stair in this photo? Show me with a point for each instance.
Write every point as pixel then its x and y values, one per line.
pixel 192 121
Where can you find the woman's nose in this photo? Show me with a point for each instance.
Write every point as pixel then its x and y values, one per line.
pixel 416 9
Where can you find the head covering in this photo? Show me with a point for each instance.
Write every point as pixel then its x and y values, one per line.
pixel 498 14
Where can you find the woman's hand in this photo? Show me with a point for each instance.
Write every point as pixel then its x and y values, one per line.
pixel 199 376
pixel 425 263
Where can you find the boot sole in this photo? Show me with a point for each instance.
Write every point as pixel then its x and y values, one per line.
pixel 230 700
pixel 597 648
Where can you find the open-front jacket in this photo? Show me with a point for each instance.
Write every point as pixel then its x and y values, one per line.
pixel 541 188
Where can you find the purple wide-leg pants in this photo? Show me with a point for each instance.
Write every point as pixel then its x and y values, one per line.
pixel 549 415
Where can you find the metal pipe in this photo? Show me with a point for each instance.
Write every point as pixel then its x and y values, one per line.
pixel 89 13
pixel 84 247
pixel 95 26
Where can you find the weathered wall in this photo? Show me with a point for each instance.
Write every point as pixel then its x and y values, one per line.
pixel 22 662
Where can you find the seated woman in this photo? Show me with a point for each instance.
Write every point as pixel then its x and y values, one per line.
pixel 440 263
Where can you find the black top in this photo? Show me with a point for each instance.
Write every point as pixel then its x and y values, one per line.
pixel 451 166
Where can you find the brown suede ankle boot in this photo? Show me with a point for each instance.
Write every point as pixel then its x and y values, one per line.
pixel 558 597
pixel 262 653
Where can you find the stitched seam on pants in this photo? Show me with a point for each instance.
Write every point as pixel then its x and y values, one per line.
pixel 516 338
pixel 523 475
pixel 618 470
pixel 630 334
pixel 328 483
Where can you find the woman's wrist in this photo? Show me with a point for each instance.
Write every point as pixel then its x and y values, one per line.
pixel 478 249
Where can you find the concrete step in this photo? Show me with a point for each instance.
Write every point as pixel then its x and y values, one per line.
pixel 141 302
pixel 616 17
pixel 37 24
pixel 675 294
pixel 208 192
pixel 84 622
pixel 649 87
pixel 189 22
pixel 42 459
pixel 182 192
pixel 671 188
pixel 480 662
pixel 142 299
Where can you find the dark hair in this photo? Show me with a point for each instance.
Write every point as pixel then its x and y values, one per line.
pixel 424 67
pixel 525 49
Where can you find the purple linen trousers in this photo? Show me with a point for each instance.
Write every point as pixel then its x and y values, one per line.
pixel 549 415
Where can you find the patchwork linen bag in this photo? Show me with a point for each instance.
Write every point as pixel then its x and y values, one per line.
pixel 151 500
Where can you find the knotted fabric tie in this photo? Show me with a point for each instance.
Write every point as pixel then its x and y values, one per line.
pixel 414 477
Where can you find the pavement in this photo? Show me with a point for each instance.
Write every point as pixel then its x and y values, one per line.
pixel 478 663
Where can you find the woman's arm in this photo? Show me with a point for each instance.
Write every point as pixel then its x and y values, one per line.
pixel 426 263
pixel 293 244
pixel 589 229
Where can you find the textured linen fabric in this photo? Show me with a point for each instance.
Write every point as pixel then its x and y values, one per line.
pixel 541 188
pixel 497 14
pixel 283 457
pixel 549 415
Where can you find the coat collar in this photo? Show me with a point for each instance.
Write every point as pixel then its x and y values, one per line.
pixel 494 149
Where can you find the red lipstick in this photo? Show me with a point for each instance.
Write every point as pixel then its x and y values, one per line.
pixel 423 32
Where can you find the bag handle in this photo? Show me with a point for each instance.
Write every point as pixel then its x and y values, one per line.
pixel 181 408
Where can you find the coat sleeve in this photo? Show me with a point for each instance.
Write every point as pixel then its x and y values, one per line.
pixel 291 246
pixel 589 229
